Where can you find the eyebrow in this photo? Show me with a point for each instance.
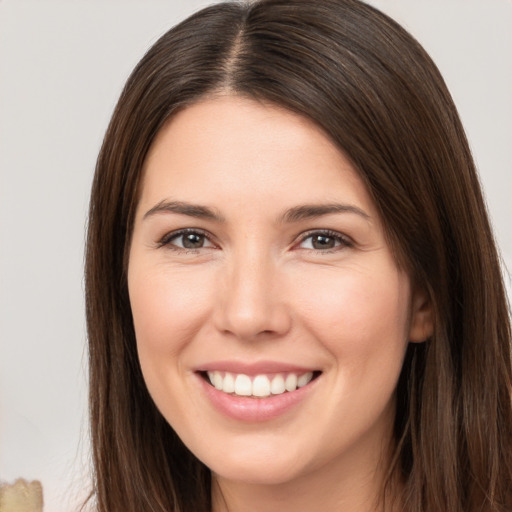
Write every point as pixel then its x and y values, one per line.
pixel 309 211
pixel 295 214
pixel 183 208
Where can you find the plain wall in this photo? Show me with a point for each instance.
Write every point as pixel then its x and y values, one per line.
pixel 62 67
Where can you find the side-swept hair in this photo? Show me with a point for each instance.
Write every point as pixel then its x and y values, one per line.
pixel 375 92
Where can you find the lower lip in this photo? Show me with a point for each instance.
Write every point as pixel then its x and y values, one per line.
pixel 253 410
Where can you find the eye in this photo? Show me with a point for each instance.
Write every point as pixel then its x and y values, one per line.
pixel 186 239
pixel 324 241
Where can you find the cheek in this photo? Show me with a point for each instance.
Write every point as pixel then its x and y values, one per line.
pixel 168 307
pixel 358 313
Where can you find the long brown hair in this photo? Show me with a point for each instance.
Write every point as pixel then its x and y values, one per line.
pixel 372 88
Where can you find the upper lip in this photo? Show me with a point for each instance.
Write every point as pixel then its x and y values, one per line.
pixel 253 368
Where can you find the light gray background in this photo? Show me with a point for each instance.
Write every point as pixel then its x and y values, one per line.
pixel 62 66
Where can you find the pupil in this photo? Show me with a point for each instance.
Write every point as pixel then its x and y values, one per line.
pixel 193 241
pixel 323 242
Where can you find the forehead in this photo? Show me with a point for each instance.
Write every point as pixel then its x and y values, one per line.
pixel 238 150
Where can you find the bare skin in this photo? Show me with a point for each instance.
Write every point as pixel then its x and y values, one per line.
pixel 257 249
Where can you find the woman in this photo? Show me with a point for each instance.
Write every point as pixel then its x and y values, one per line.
pixel 294 298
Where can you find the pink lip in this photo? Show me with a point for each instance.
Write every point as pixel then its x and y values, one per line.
pixel 258 368
pixel 253 410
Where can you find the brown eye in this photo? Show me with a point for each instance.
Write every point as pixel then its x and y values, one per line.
pixel 324 240
pixel 192 240
pixel 186 239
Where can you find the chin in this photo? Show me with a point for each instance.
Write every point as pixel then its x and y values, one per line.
pixel 269 474
pixel 258 466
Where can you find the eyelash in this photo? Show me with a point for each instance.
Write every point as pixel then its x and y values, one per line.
pixel 342 240
pixel 166 240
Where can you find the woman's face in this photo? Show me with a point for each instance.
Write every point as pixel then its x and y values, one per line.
pixel 259 262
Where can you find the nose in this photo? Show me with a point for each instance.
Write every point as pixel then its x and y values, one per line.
pixel 251 304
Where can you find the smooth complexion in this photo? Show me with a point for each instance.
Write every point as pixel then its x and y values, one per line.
pixel 284 268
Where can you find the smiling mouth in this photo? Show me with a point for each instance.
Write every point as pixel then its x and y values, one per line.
pixel 258 386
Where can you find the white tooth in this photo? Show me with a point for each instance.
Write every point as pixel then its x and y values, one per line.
pixel 261 386
pixel 210 377
pixel 304 379
pixel 229 383
pixel 217 380
pixel 243 385
pixel 291 382
pixel 277 386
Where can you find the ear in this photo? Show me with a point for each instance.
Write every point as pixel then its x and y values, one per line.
pixel 422 317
